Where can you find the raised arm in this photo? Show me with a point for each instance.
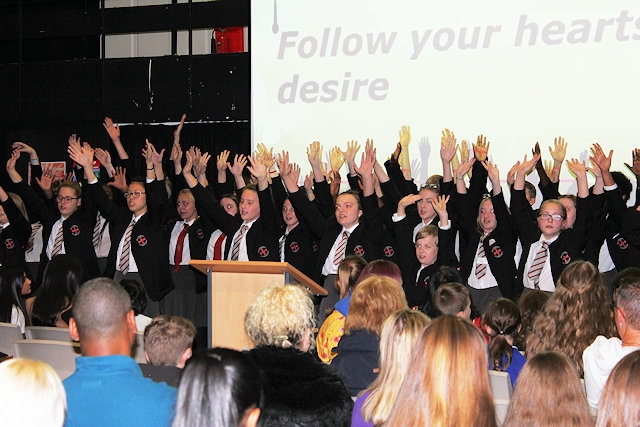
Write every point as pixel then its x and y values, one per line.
pixel 448 148
pixel 114 134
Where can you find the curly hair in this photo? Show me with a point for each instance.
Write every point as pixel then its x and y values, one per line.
pixel 576 313
pixel 530 305
pixel 281 316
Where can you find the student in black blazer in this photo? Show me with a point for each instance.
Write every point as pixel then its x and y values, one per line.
pixel 487 262
pixel 564 244
pixel 77 231
pixel 14 230
pixel 147 206
pixel 359 219
pixel 256 212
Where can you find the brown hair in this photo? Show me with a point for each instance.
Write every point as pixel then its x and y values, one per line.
pixel 529 304
pixel 503 317
pixel 548 393
pixel 450 299
pixel 620 400
pixel 449 384
pixel 576 313
pixel 373 300
pixel 381 267
pixel 353 266
pixel 166 338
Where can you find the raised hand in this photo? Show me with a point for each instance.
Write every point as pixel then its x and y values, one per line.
pixel 45 181
pixel 600 158
pixel 465 151
pixel 481 148
pixel 257 169
pixel 23 148
pixel 112 130
pixel 176 133
pixel 635 168
pixel 103 156
pixel 405 136
pixel 239 162
pixel 335 158
pixel 511 175
pixel 492 171
pixel 221 160
pixel 200 168
pixel 448 146
pixel 440 205
pixel 559 150
pixel 314 153
pixel 350 153
pixel 119 179
pixel 464 168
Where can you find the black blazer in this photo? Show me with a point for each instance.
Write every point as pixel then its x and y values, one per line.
pixel 499 246
pixel 262 240
pixel 14 237
pixel 77 231
pixel 149 244
pixel 364 240
pixel 566 248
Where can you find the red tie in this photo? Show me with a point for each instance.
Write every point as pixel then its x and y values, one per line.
pixel 217 247
pixel 177 259
pixel 481 269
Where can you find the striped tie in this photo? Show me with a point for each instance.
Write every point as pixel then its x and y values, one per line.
pixel 235 250
pixel 123 265
pixel 97 229
pixel 538 264
pixel 342 245
pixel 481 269
pixel 57 243
pixel 34 230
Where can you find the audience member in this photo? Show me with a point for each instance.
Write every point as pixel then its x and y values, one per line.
pixel 452 299
pixel 604 353
pixel 501 322
pixel 51 304
pixel 31 393
pixel 138 302
pixel 449 380
pixel 400 333
pixel 548 393
pixel 332 328
pixel 14 284
pixel 620 401
pixel 373 300
pixel 14 229
pixel 221 388
pixel 529 305
pixel 107 387
pixel 576 313
pixel 168 342
pixel 298 388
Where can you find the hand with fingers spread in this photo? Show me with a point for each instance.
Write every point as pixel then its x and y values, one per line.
pixel 635 164
pixel 494 175
pixel 559 150
pixel 314 153
pixel 577 167
pixel 239 162
pixel 350 155
pixel 119 179
pixel 481 148
pixel 440 206
pixel 448 146
pixel 511 175
pixel 112 130
pixel 45 181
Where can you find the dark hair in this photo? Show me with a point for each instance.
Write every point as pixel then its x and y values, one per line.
pixel 60 281
pixel 529 304
pixel 623 183
pixel 531 189
pixel 353 265
pixel 503 317
pixel 628 275
pixel 217 388
pixel 137 294
pixel 450 299
pixel 100 309
pixel 11 281
pixel 445 274
pixel 231 196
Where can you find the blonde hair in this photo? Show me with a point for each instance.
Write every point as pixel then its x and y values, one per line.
pixel 281 316
pixel 449 384
pixel 620 400
pixel 31 394
pixel 400 332
pixel 17 200
pixel 373 300
pixel 548 393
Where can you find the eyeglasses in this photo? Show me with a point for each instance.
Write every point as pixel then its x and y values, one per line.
pixel 429 186
pixel 546 217
pixel 66 198
pixel 133 194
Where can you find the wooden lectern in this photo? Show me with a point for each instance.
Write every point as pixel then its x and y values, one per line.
pixel 232 287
